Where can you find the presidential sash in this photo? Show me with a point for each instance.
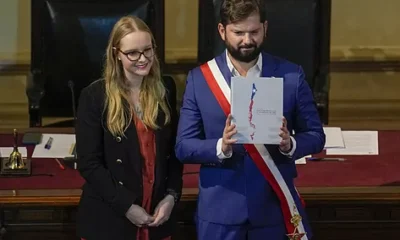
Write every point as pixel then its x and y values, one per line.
pixel 259 154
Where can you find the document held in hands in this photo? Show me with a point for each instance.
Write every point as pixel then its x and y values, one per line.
pixel 257 109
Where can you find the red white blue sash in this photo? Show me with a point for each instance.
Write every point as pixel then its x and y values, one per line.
pixel 259 154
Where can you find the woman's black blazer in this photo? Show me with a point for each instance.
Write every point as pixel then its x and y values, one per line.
pixel 112 169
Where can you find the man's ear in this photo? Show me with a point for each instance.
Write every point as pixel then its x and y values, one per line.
pixel 265 28
pixel 221 30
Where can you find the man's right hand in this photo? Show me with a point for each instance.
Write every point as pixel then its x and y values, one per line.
pixel 229 131
pixel 138 216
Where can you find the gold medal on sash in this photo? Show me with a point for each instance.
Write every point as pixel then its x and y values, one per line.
pixel 295 220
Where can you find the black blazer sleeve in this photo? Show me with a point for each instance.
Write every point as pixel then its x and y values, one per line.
pixel 90 152
pixel 175 167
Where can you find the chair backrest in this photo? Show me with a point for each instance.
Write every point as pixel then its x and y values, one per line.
pixel 69 39
pixel 298 30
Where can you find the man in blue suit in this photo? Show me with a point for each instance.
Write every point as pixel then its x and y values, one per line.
pixel 246 191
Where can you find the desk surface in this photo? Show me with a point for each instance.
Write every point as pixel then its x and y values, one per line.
pixel 360 177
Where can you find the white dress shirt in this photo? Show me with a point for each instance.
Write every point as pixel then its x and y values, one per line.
pixel 254 71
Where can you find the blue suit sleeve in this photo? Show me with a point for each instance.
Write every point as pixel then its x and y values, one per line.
pixel 191 144
pixel 309 133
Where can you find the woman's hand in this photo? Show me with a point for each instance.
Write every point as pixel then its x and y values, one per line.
pixel 138 216
pixel 163 211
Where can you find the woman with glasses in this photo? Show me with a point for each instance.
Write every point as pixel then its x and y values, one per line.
pixel 125 135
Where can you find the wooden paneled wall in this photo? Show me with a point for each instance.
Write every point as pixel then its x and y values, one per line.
pixel 361 30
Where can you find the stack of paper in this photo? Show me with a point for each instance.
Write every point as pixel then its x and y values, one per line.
pixel 357 143
pixel 302 160
pixel 334 137
pixel 62 146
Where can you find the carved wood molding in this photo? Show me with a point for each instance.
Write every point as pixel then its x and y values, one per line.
pixel 70 197
pixel 184 67
pixel 365 66
pixel 41 130
pixel 379 114
pixel 14 68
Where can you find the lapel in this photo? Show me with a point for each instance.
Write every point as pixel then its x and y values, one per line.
pixel 268 65
pixel 223 67
pixel 132 147
pixel 158 133
pixel 159 138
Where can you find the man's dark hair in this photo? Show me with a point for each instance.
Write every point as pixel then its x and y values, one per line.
pixel 233 11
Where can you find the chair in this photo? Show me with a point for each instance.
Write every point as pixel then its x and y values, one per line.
pixel 298 31
pixel 69 38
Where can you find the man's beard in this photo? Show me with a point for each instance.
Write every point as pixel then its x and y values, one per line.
pixel 246 57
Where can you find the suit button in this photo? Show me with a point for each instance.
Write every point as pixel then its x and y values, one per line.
pixel 118 139
pixel 151 181
pixel 121 183
pixel 119 161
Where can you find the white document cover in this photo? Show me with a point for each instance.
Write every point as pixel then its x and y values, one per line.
pixel 257 109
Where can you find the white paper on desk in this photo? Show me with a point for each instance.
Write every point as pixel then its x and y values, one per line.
pixel 6 151
pixel 60 148
pixel 334 137
pixel 302 160
pixel 357 143
pixel 257 109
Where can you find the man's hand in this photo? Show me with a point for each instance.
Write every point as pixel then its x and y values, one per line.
pixel 138 216
pixel 285 144
pixel 163 211
pixel 229 131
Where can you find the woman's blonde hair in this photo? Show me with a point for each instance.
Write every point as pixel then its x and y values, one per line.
pixel 152 91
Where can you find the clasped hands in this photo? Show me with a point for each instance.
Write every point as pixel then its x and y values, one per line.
pixel 230 130
pixel 138 215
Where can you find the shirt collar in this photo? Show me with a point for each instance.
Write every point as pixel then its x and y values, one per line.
pixel 233 70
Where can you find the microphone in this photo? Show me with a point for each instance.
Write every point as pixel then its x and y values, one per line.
pixel 72 161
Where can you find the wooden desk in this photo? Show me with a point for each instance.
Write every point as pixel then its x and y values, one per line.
pixel 335 212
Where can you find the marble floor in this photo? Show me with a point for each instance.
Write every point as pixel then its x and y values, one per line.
pixel 358 100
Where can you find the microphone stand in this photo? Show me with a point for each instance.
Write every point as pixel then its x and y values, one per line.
pixel 71 87
pixel 72 161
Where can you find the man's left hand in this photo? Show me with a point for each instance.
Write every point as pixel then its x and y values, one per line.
pixel 285 144
pixel 163 211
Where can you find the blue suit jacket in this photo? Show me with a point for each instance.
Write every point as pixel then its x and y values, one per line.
pixel 234 191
